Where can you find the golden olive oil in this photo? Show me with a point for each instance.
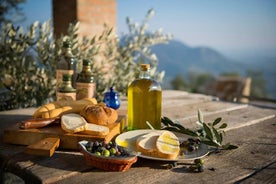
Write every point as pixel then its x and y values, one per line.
pixel 144 103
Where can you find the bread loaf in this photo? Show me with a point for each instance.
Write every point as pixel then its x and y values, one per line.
pixel 99 114
pixel 59 108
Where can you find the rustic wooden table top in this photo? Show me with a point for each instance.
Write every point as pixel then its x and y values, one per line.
pixel 251 128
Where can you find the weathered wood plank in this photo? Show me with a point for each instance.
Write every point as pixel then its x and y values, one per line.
pixel 67 140
pixel 181 111
pixel 44 169
pixel 266 174
pixel 172 98
pixel 235 116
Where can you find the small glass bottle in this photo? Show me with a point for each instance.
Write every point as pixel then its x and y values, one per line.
pixel 111 99
pixel 66 90
pixel 66 65
pixel 144 101
pixel 85 83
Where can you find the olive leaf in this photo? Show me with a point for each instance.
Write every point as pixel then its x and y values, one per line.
pixel 217 121
pixel 218 136
pixel 200 116
pixel 224 125
pixel 208 131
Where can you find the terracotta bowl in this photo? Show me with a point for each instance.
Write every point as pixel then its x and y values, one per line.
pixel 107 163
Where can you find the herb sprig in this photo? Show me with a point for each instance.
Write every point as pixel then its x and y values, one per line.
pixel 209 133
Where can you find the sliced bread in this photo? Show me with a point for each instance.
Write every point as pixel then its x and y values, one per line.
pixel 146 144
pixel 167 145
pixel 93 129
pixel 73 123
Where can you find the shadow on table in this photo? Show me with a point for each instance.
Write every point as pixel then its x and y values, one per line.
pixel 156 164
pixel 8 120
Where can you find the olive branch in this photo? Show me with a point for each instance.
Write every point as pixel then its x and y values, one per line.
pixel 209 133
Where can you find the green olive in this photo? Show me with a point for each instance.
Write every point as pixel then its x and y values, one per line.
pixel 106 153
pixel 98 153
pixel 112 151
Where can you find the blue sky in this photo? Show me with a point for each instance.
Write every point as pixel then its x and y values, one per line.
pixel 226 25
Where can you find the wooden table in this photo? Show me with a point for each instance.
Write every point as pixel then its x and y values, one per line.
pixel 251 128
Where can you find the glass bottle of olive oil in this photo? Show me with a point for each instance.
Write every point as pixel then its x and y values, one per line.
pixel 144 101
pixel 85 84
pixel 66 65
pixel 66 90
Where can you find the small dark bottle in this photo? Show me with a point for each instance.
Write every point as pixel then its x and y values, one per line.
pixel 85 84
pixel 66 90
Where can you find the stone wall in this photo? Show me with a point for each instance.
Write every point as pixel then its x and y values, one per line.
pixel 92 15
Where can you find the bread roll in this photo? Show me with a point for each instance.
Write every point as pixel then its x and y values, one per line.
pixel 99 114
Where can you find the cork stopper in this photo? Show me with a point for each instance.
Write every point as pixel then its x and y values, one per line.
pixel 145 67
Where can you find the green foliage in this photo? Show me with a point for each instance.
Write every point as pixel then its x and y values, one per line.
pixel 195 82
pixel 28 59
pixel 209 133
pixel 10 11
pixel 198 82
pixel 178 83
pixel 230 74
pixel 27 64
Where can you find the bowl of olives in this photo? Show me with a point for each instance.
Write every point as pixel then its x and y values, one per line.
pixel 107 156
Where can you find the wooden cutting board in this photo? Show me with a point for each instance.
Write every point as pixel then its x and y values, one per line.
pixel 18 136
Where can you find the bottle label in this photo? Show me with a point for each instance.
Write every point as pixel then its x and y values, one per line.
pixel 66 96
pixel 59 75
pixel 85 90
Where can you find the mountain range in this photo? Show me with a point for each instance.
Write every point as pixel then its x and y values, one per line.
pixel 178 58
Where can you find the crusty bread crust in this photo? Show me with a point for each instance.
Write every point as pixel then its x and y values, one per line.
pixel 99 114
pixel 59 108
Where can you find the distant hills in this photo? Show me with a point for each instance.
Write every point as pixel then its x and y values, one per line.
pixel 179 58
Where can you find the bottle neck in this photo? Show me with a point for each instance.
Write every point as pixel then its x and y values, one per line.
pixel 66 86
pixel 68 52
pixel 145 74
